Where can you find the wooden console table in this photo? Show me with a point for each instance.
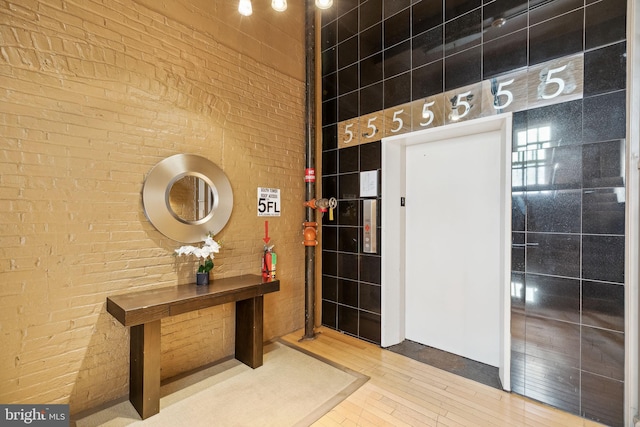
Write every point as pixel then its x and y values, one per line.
pixel 143 310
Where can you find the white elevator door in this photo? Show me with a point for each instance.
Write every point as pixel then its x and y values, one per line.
pixel 453 211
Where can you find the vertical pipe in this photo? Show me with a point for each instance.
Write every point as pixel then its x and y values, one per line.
pixel 310 190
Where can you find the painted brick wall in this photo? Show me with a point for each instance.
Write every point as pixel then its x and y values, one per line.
pixel 92 95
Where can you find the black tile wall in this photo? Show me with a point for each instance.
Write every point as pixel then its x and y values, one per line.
pixel 568 202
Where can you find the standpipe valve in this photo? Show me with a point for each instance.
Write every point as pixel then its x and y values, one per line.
pixel 311 228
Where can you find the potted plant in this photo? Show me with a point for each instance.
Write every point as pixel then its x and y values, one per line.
pixel 204 254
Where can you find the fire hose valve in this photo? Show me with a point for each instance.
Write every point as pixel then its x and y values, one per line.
pixel 323 205
pixel 311 228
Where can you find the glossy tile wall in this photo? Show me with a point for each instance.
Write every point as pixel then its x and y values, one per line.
pixel 568 174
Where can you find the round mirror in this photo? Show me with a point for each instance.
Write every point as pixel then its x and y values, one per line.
pixel 190 199
pixel 186 197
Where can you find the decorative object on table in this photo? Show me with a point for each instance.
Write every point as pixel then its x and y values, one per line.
pixel 205 254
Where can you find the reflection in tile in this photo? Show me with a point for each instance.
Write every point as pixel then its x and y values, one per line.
pixel 329 162
pixel 427 80
pixel 561 122
pixel 603 352
pixel 348 319
pixel 553 254
pixel 329 288
pixel 371 41
pixel 504 54
pixel 348 186
pixel 397 90
pixel 517 372
pixel 347 52
pixel 605 69
pixel 603 258
pixel 603 164
pixel 540 10
pixel 518 331
pixel 427 47
pixel 348 159
pixel 347 25
pixel 329 61
pixel 556 37
pixel 371 98
pixel 393 7
pixel 370 268
pixel 370 13
pixel 517 251
pixel 370 156
pixel 348 292
pixel 330 110
pixel 605 117
pixel 553 168
pixel 463 32
pixel 426 15
pixel 605 22
pixel 329 35
pixel 603 399
pixel 347 265
pixel 348 106
pixel 370 326
pixel 554 211
pixel 603 305
pixel 603 211
pixel 514 11
pixel 397 28
pixel 463 68
pixel 329 314
pixel 370 297
pixel 348 79
pixel 329 237
pixel 330 185
pixel 329 263
pixel 563 391
pixel 371 70
pixel 397 59
pixel 518 212
pixel 455 8
pixel 329 86
pixel 348 212
pixel 348 239
pixel 553 341
pixel 553 297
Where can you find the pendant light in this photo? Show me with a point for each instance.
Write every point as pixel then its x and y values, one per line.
pixel 244 7
pixel 324 4
pixel 279 5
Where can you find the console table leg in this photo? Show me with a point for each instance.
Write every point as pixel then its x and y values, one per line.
pixel 144 368
pixel 249 331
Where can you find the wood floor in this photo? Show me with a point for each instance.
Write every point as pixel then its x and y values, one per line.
pixel 405 392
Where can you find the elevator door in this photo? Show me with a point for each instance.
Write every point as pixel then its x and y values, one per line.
pixel 453 245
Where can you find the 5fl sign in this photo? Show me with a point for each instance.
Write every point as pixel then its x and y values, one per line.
pixel 268 201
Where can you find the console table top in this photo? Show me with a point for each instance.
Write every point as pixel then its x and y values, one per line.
pixel 144 306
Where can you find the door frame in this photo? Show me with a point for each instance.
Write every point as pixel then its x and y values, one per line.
pixel 393 221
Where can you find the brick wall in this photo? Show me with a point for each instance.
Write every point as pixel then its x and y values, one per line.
pixel 92 95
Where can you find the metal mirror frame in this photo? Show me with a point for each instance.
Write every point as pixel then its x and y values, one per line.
pixel 157 187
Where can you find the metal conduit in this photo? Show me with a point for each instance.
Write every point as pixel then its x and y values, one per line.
pixel 310 186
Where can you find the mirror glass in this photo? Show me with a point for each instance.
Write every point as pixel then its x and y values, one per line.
pixel 190 199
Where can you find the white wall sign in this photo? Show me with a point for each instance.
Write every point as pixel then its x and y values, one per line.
pixel 268 201
pixel 369 184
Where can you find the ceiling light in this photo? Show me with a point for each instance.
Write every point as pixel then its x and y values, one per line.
pixel 244 7
pixel 324 4
pixel 279 5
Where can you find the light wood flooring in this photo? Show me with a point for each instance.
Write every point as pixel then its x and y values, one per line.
pixel 405 392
